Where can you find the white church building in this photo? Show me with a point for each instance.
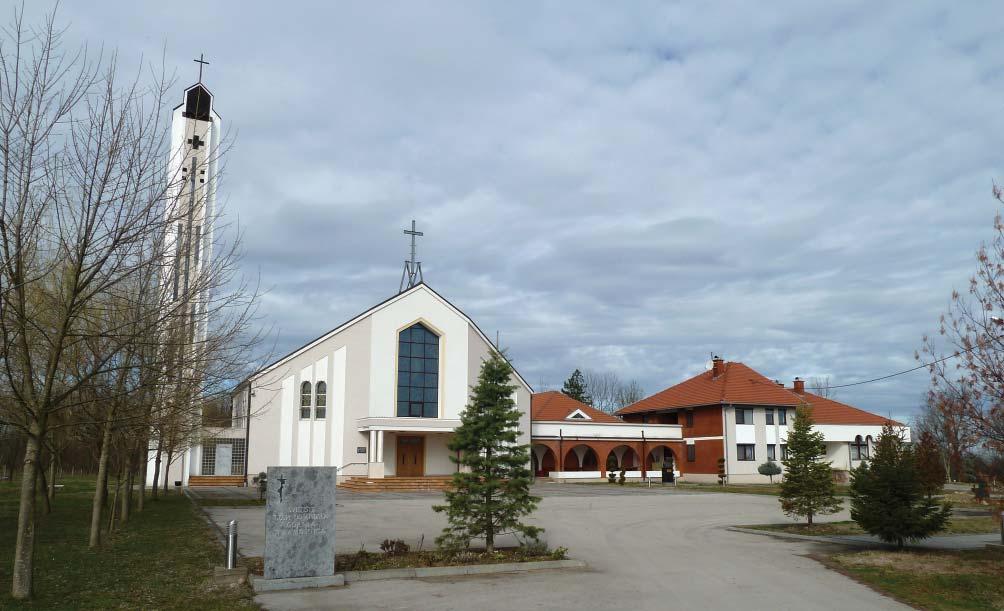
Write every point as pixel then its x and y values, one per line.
pixel 377 396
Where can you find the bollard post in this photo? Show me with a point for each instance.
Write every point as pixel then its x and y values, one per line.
pixel 232 544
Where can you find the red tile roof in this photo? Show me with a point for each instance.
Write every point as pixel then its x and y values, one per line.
pixel 741 385
pixel 828 411
pixel 554 406
pixel 736 384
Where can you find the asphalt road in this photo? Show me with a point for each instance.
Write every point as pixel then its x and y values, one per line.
pixel 646 550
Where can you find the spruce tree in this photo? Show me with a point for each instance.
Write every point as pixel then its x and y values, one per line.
pixel 575 387
pixel 930 468
pixel 888 499
pixel 491 493
pixel 807 488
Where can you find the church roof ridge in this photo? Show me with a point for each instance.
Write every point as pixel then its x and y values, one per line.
pixel 351 321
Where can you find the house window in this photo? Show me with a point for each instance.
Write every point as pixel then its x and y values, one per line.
pixel 782 417
pixel 784 451
pixel 691 452
pixel 770 452
pixel 644 419
pixel 321 400
pixel 769 413
pixel 418 372
pixel 859 449
pixel 744 416
pixel 745 451
pixel 690 419
pixel 305 401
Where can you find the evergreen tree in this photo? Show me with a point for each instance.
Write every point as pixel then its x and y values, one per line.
pixel 888 497
pixel 492 493
pixel 930 468
pixel 807 488
pixel 770 469
pixel 575 387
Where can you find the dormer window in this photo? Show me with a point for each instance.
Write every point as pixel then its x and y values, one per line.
pixel 577 415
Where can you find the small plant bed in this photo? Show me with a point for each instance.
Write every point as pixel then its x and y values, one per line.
pixel 956 526
pixel 404 558
pixel 937 580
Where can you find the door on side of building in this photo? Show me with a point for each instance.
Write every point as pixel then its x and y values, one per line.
pixel 224 458
pixel 410 456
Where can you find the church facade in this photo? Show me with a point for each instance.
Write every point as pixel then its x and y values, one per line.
pixel 377 396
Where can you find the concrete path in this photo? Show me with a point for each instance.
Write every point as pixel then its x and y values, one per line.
pixel 646 550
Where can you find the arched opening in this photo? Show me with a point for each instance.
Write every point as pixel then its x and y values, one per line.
pixel 623 457
pixel 659 457
pixel 543 460
pixel 581 458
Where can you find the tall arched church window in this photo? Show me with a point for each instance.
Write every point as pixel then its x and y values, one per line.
pixel 305 401
pixel 320 400
pixel 859 449
pixel 418 373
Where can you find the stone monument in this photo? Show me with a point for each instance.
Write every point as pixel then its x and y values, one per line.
pixel 300 524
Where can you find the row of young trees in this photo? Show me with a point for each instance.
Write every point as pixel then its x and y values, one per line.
pixel 93 349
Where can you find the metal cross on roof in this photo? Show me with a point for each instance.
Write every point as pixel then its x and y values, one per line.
pixel 201 61
pixel 412 273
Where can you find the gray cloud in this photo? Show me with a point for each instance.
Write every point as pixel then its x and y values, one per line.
pixel 625 188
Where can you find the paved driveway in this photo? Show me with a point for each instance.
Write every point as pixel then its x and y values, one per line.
pixel 647 549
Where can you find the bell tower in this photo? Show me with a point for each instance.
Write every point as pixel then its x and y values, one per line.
pixel 195 137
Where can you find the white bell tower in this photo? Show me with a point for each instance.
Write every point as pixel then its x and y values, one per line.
pixel 196 128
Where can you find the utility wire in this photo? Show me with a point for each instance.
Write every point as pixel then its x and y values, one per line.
pixel 892 375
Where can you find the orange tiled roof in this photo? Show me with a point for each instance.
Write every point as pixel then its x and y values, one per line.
pixel 828 411
pixel 741 385
pixel 736 384
pixel 555 406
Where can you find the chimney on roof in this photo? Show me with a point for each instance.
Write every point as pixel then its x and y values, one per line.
pixel 779 383
pixel 717 367
pixel 800 386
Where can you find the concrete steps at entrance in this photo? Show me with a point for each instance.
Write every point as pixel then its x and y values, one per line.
pixel 215 480
pixel 396 484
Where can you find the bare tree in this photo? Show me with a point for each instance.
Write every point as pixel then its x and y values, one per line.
pixel 87 336
pixel 972 331
pixel 821 385
pixel 609 392
pixel 944 417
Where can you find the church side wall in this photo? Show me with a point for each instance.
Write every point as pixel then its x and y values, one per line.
pixel 279 437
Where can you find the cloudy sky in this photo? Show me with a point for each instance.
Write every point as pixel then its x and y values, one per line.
pixel 616 187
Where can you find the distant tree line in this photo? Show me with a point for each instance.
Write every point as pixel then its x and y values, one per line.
pixel 603 390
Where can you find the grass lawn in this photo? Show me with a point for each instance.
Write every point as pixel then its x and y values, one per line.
pixel 162 559
pixel 956 526
pixel 936 580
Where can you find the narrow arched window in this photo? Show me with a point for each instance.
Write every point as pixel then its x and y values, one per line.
pixel 859 449
pixel 418 372
pixel 305 401
pixel 320 400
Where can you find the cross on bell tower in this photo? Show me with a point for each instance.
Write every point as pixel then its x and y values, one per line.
pixel 412 273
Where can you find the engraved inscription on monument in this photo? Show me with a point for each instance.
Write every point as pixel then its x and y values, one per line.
pixel 300 522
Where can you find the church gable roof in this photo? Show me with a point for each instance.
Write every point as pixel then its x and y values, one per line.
pixel 403 295
pixel 554 406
